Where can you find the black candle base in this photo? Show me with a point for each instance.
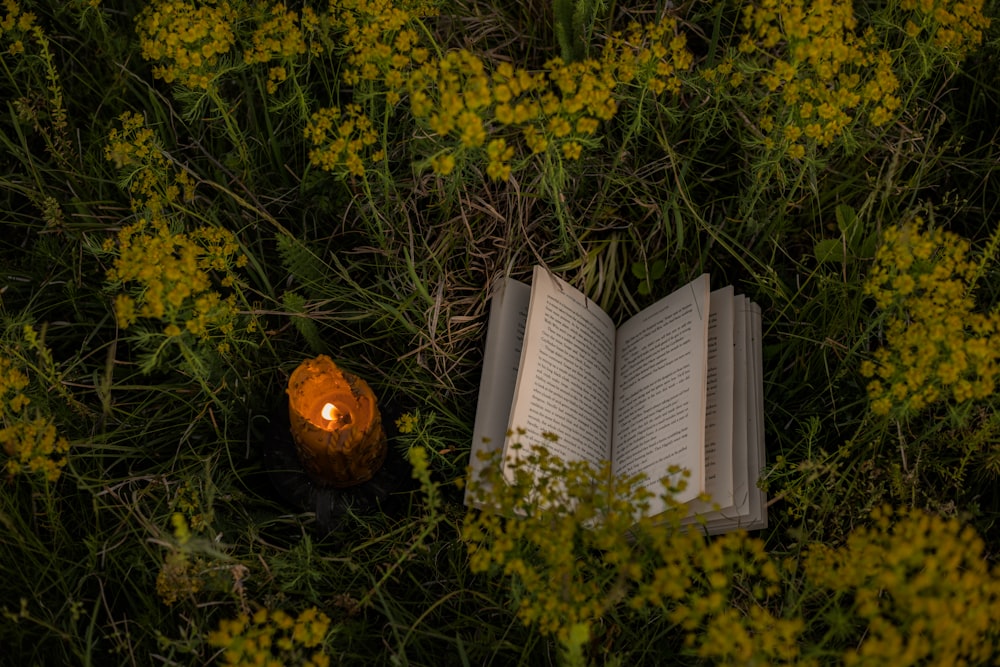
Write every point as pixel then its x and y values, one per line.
pixel 383 493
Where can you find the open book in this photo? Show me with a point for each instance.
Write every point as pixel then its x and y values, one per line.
pixel 678 384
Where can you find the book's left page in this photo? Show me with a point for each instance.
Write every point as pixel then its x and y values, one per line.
pixel 565 377
pixel 504 337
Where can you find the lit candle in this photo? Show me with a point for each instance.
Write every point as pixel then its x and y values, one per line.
pixel 335 424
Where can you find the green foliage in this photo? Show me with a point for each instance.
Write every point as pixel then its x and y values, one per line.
pixel 296 305
pixel 301 263
pixel 574 26
pixel 194 194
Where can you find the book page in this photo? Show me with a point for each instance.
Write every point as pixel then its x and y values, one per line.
pixel 750 512
pixel 566 376
pixel 719 396
pixel 504 336
pixel 740 509
pixel 660 380
pixel 756 438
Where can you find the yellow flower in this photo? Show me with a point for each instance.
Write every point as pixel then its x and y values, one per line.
pixel 381 39
pixel 921 590
pixel 571 150
pixel 934 338
pixel 827 74
pixel 174 271
pixel 343 148
pixel 272 636
pixel 443 164
pixel 407 422
pixel 185 39
pixel 471 129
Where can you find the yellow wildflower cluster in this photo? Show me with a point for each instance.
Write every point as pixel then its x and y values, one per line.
pixel 32 444
pixel 272 638
pixel 382 40
pixel 955 26
pixel 534 531
pixel 382 45
pixel 457 101
pixel 580 95
pixel 935 342
pixel 558 530
pixel 407 422
pixel 179 577
pixel 819 73
pixel 342 141
pixel 192 507
pixel 721 610
pixel 650 55
pixel 185 39
pixel 13 382
pixel 516 96
pixel 15 26
pixel 174 271
pixel 452 94
pixel 560 108
pixel 152 180
pixel 918 588
pixel 281 36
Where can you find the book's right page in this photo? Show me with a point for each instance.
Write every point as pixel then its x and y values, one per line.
pixel 720 415
pixel 660 379
pixel 743 403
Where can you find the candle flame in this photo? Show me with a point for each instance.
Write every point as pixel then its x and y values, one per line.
pixel 330 412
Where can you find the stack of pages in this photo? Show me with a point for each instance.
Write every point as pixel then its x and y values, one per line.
pixel 678 384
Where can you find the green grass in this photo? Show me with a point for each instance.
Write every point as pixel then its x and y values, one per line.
pixel 389 272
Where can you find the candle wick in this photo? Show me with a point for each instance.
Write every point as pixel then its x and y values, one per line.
pixel 331 413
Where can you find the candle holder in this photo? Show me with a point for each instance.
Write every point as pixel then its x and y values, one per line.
pixel 336 461
pixel 335 423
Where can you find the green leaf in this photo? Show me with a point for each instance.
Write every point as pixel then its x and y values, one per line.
pixel 300 261
pixel 846 219
pixel 829 250
pixel 295 304
pixel 657 270
pixel 646 276
pixel 867 250
pixel 851 226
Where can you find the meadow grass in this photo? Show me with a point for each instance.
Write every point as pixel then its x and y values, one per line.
pixel 198 195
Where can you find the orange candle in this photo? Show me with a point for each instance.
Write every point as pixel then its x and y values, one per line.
pixel 335 424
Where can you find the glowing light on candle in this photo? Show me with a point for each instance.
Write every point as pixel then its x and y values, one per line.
pixel 335 423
